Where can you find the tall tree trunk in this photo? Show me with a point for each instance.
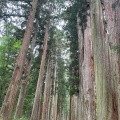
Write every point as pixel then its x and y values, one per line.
pixel 48 110
pixel 54 94
pixel 50 100
pixel 46 91
pixel 81 56
pixel 112 16
pixel 24 83
pixel 9 101
pixel 118 102
pixel 73 107
pixel 34 115
pixel 99 59
pixel 86 71
pixel 78 108
pixel 88 74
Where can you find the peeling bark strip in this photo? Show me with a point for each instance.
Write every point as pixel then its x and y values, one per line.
pixel 34 115
pixel 9 101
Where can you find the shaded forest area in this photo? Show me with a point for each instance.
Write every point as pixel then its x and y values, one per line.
pixel 59 59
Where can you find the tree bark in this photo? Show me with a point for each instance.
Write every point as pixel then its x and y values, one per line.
pixel 73 107
pixel 46 91
pixel 88 74
pixel 24 83
pixel 81 57
pixel 118 102
pixel 9 101
pixel 34 115
pixel 113 39
pixel 54 94
pixel 99 59
pixel 86 71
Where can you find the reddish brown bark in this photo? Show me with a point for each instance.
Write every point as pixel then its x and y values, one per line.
pixel 34 115
pixel 46 91
pixel 113 39
pixel 9 101
pixel 86 72
pixel 19 107
pixel 27 69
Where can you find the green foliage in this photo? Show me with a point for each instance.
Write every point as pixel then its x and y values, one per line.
pixel 72 36
pixel 9 48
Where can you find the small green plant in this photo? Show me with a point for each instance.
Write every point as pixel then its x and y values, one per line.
pixel 22 118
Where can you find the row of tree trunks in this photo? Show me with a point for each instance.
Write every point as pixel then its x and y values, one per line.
pixel 24 82
pixel 38 94
pixel 9 101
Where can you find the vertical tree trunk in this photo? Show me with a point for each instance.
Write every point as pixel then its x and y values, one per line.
pixel 81 56
pixel 73 107
pixel 46 91
pixel 48 117
pixel 34 115
pixel 49 110
pixel 118 102
pixel 9 101
pixel 86 71
pixel 21 98
pixel 78 107
pixel 88 74
pixel 99 61
pixel 113 40
pixel 56 98
pixel 54 94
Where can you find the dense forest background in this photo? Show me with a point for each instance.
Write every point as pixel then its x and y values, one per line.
pixel 59 59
